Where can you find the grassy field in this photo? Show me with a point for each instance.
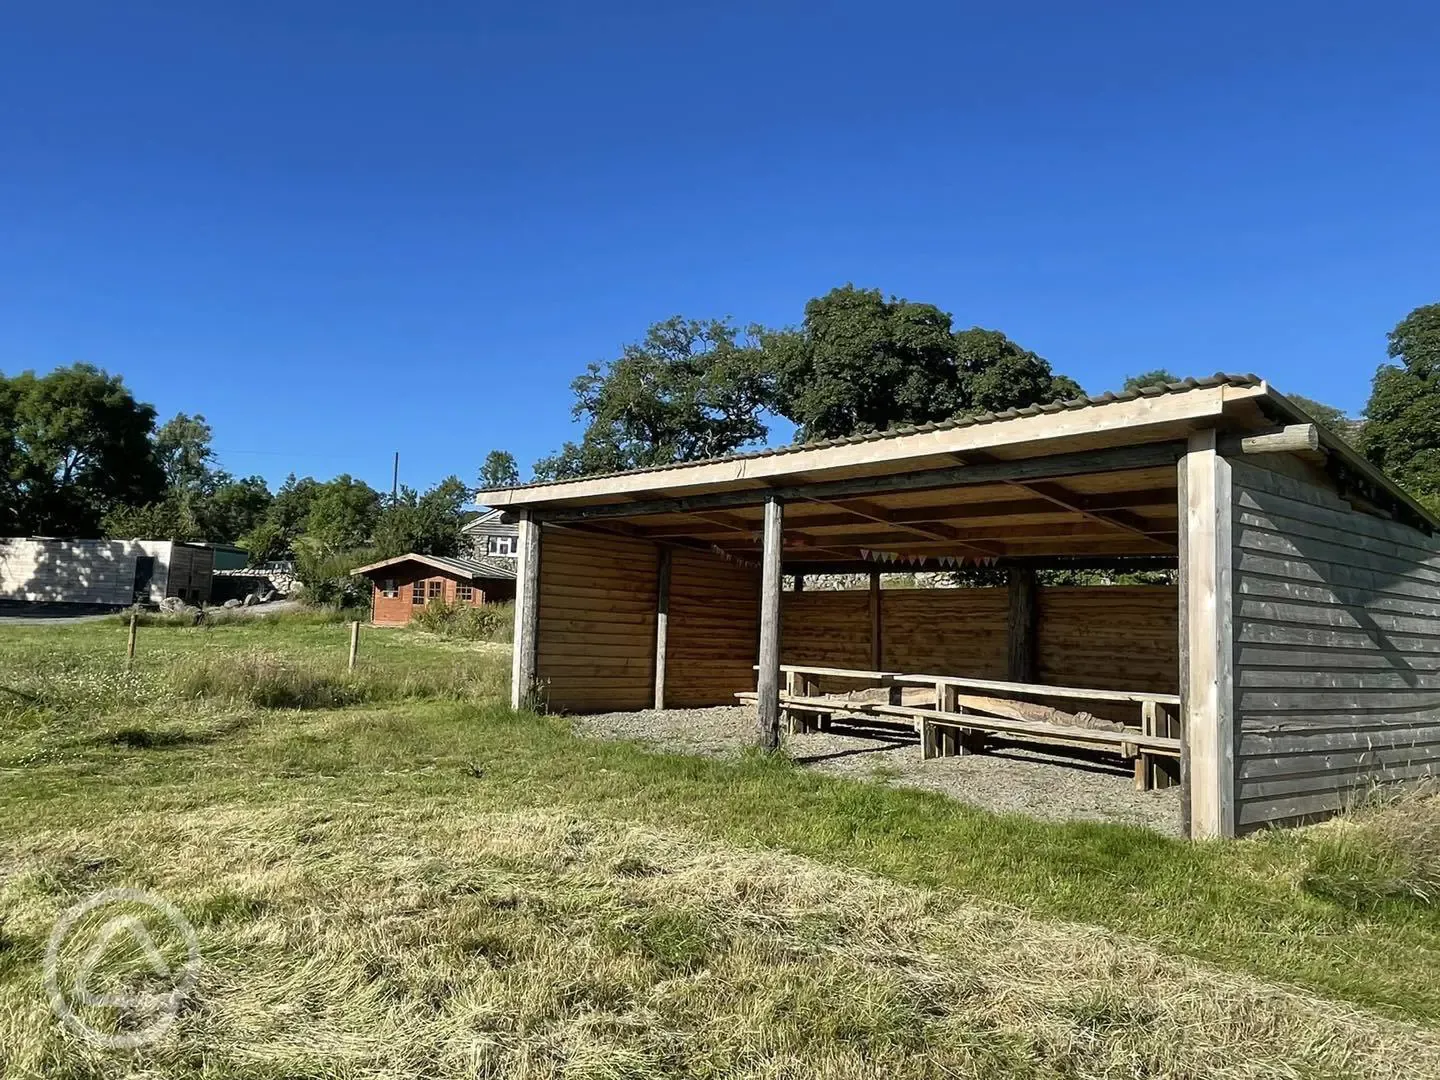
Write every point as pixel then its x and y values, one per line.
pixel 393 875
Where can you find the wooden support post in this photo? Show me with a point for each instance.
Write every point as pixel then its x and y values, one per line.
pixel 799 581
pixel 1165 771
pixel 1020 626
pixel 1144 763
pixel 877 650
pixel 527 614
pixel 354 646
pixel 662 621
pixel 130 640
pixel 793 719
pixel 1207 692
pixel 767 685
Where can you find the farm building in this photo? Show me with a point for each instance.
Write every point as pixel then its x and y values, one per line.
pixel 104 572
pixel 405 584
pixel 1295 658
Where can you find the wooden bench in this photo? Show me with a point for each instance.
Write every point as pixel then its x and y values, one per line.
pixel 957 723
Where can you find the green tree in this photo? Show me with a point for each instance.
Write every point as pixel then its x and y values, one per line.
pixel 692 389
pixel 234 508
pixel 1157 377
pixel 169 518
pixel 343 514
pixel 1329 416
pixel 427 524
pixel 499 470
pixel 1401 433
pixel 80 446
pixel 9 461
pixel 182 446
pixel 862 363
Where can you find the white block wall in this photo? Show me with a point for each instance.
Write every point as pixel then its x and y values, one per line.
pixel 79 571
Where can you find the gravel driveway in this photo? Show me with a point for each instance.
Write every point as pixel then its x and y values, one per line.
pixel 1011 778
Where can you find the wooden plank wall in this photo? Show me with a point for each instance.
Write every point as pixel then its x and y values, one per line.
pixel 713 631
pixel 1106 637
pixel 191 571
pixel 825 629
pixel 945 631
pixel 1112 637
pixel 1337 649
pixel 595 642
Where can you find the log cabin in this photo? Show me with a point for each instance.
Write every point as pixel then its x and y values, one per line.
pixel 405 584
pixel 1294 661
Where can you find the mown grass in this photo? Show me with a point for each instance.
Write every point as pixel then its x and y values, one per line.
pixel 424 883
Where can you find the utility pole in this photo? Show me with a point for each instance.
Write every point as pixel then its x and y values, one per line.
pixel 395 481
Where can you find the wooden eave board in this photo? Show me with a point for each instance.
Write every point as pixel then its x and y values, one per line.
pixel 1122 423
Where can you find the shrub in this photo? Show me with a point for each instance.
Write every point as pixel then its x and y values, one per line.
pixel 326 577
pixel 488 622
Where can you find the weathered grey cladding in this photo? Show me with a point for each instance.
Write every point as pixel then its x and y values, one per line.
pixel 1337 649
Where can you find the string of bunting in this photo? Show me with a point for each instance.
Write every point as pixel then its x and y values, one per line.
pixel 950 562
pixel 732 558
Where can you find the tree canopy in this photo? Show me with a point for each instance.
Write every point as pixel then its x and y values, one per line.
pixel 342 514
pixel 78 445
pixel 692 389
pixel 1154 377
pixel 860 362
pixel 499 470
pixel 427 524
pixel 1401 433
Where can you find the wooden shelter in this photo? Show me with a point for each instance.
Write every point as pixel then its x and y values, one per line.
pixel 1297 660
pixel 405 584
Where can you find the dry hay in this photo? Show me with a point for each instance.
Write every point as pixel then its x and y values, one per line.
pixel 357 942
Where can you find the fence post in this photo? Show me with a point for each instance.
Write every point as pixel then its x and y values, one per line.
pixel 130 639
pixel 354 645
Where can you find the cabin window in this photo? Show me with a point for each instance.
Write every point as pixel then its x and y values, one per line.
pixel 388 589
pixel 464 593
pixel 417 593
pixel 502 545
pixel 436 588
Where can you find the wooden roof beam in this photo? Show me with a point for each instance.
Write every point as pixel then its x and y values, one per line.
pixel 1150 455
pixel 863 508
pixel 1120 519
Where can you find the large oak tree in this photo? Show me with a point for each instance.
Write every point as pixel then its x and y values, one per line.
pixel 861 363
pixel 79 446
pixel 1401 433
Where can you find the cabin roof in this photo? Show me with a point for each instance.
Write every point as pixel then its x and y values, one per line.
pixel 474 569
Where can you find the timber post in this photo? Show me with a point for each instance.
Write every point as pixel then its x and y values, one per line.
pixel 1020 624
pixel 354 646
pixel 527 613
pixel 130 640
pixel 877 648
pixel 767 685
pixel 1207 692
pixel 662 620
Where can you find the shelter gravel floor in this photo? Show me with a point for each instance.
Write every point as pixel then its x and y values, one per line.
pixel 1010 778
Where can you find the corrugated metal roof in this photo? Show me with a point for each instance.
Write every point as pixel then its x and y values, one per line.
pixel 1085 401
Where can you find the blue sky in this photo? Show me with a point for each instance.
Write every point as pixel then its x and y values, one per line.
pixel 279 215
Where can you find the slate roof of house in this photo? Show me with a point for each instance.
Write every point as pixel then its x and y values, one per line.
pixel 475 569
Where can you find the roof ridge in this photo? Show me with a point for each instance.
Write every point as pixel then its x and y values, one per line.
pixel 1084 401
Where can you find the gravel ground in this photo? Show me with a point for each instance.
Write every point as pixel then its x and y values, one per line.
pixel 1011 778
